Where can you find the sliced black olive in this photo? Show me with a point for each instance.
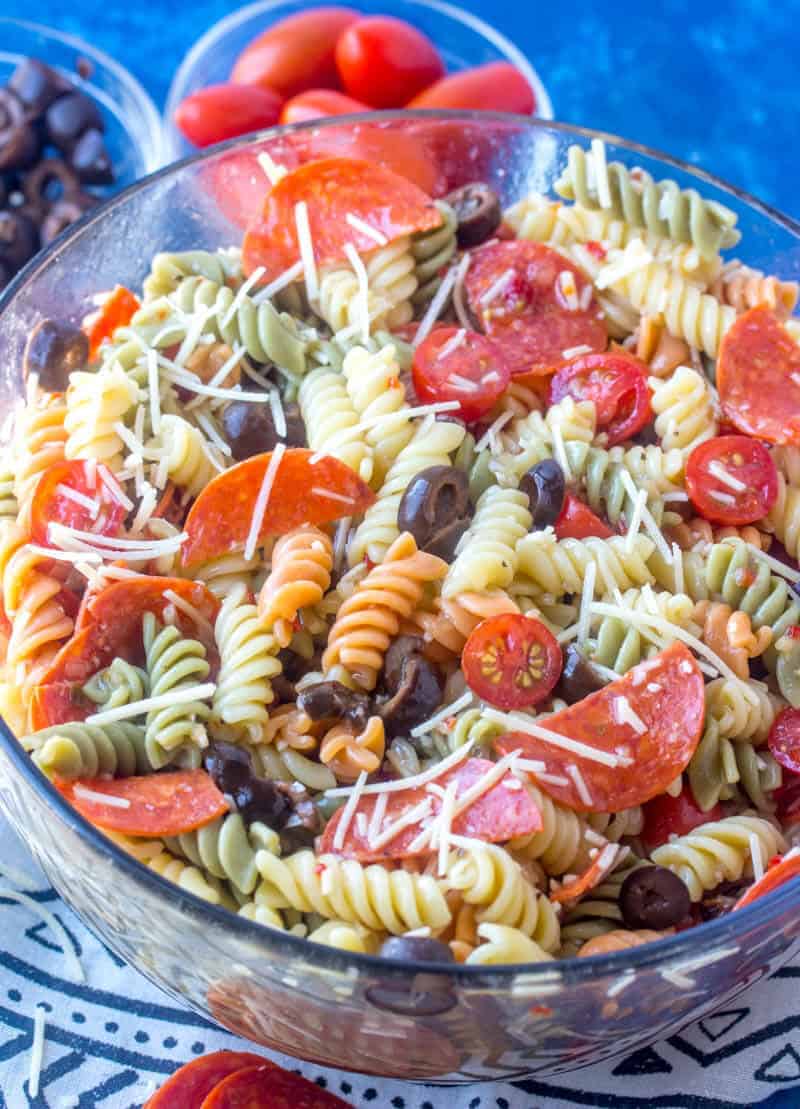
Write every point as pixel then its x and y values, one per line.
pixel 295 427
pixel 436 509
pixel 36 85
pixel 478 210
pixel 399 650
pixel 51 180
pixel 65 212
pixel 418 696
pixel 578 678
pixel 254 798
pixel 332 699
pixel 283 689
pixel 90 159
pixel 416 949
pixel 545 487
pixel 722 899
pixel 19 239
pixel 53 352
pixel 250 429
pixel 69 117
pixel 19 139
pixel 294 666
pixel 653 897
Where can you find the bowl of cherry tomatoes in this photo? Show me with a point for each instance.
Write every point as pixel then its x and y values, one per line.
pixel 283 62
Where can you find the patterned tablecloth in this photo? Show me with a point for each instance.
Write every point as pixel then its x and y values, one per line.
pixel 112 1037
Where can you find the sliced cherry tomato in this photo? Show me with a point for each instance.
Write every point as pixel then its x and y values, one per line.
pixel 51 504
pixel 117 310
pixel 296 53
pixel 603 863
pixel 499 814
pixel 332 189
pixel 385 61
pixel 316 103
pixel 270 1087
pixel 665 816
pixel 758 378
pixel 534 304
pixel 512 661
pixel 744 461
pixel 577 521
pixel 220 112
pixel 784 739
pixel 617 384
pixel 302 492
pixel 455 364
pixel 663 695
pixel 496 87
pixel 777 875
pixel 165 804
pixel 189 1086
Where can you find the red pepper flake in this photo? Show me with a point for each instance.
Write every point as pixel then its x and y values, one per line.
pixel 597 249
pixel 393 382
pixel 793 631
pixel 541 1011
pixel 774 861
pixel 319 869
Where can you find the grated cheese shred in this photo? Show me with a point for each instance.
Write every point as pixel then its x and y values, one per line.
pixel 262 500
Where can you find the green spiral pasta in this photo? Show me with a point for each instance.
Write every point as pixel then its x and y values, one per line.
pixel 332 422
pixel 173 663
pixel 225 848
pixel 289 765
pixel 223 267
pixel 600 478
pixel 555 567
pixel 662 207
pixel 619 645
pixel 719 765
pixel 532 436
pixel 248 662
pixel 477 466
pixel 684 408
pixel 432 252
pixel 597 913
pixel 486 554
pixel 71 751
pixel 119 684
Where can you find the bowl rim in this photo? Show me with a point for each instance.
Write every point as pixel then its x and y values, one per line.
pixel 658 954
pixel 157 148
pixel 209 39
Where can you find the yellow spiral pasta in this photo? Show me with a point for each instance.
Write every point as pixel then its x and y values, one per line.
pixel 518 399
pixel 370 618
pixel 783 519
pixel 730 635
pixel 502 944
pixel 223 574
pixel 247 663
pixel 40 439
pixel 187 454
pixel 741 709
pixel 555 567
pixel 191 879
pixel 300 576
pixel 332 421
pixel 373 382
pixel 391 272
pixel 684 408
pixel 486 554
pixel 347 937
pixel 95 403
pixel 349 752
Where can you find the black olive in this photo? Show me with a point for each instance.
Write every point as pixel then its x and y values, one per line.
pixel 54 350
pixel 416 949
pixel 653 897
pixel 578 677
pixel 283 689
pixel 545 488
pixel 19 140
pixel 65 212
pixel 295 427
pixel 250 429
pixel 399 650
pixel 293 666
pixel 417 697
pixel 436 509
pixel 19 239
pixel 722 899
pixel 90 159
pixel 477 208
pixel 36 85
pixel 51 180
pixel 252 797
pixel 69 117
pixel 332 699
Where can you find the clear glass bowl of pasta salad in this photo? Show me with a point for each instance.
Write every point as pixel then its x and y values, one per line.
pixel 397 668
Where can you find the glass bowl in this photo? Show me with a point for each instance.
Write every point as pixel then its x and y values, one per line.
pixel 462 39
pixel 412 1021
pixel 133 126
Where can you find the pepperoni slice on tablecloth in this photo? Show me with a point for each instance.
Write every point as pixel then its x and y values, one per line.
pixel 302 492
pixel 166 804
pixel 534 304
pixel 333 189
pixel 758 378
pixel 270 1087
pixel 501 813
pixel 189 1086
pixel 650 720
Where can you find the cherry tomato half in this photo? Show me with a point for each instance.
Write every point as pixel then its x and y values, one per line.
pixel 616 383
pixel 385 61
pixel 577 521
pixel 665 816
pixel 295 54
pixel 732 480
pixel 221 112
pixel 52 503
pixel 511 661
pixel 117 310
pixel 496 87
pixel 456 364
pixel 317 103
pixel 784 739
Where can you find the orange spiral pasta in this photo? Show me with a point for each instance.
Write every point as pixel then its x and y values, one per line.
pixel 688 533
pixel 744 288
pixel 619 940
pixel 730 635
pixel 349 753
pixel 289 726
pixel 454 618
pixel 662 352
pixel 300 575
pixel 39 444
pixel 370 618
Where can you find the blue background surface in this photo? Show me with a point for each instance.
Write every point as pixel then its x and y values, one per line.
pixel 707 80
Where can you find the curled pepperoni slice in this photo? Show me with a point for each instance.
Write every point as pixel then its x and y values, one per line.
pixel 501 813
pixel 302 492
pixel 758 378
pixel 58 703
pixel 333 189
pixel 534 304
pixel 644 726
pixel 189 1086
pixel 166 804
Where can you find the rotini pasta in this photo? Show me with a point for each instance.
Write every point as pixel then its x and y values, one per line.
pixel 684 407
pixel 302 561
pixel 247 663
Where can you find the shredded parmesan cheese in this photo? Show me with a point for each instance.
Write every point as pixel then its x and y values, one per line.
pixel 516 722
pixel 397 784
pixel 636 519
pixel 452 709
pixel 349 810
pixel 362 226
pixel 652 528
pixel 101 798
pixel 623 713
pixel 306 250
pixel 75 970
pixel 148 704
pixel 497 287
pixel 453 343
pixel 580 784
pixel 37 1051
pixel 262 500
pixel 723 498
pixel 601 173
pixel 716 468
pixel 332 494
pixel 756 857
pixel 586 603
pixel 436 305
pixel 445 829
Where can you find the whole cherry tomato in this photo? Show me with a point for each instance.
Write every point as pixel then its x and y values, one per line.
pixel 456 364
pixel 319 102
pixel 386 61
pixel 496 87
pixel 221 112
pixel 295 54
pixel 731 479
pixel 511 661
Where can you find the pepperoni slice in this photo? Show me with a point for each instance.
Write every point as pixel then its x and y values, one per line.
pixel 512 661
pixel 534 304
pixel 650 720
pixel 758 378
pixel 777 875
pixel 732 479
pixel 302 492
pixel 666 816
pixel 577 521
pixel 617 384
pixel 117 310
pixel 499 814
pixel 58 703
pixel 455 364
pixel 51 503
pixel 784 739
pixel 270 1087
pixel 166 804
pixel 332 189
pixel 189 1086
